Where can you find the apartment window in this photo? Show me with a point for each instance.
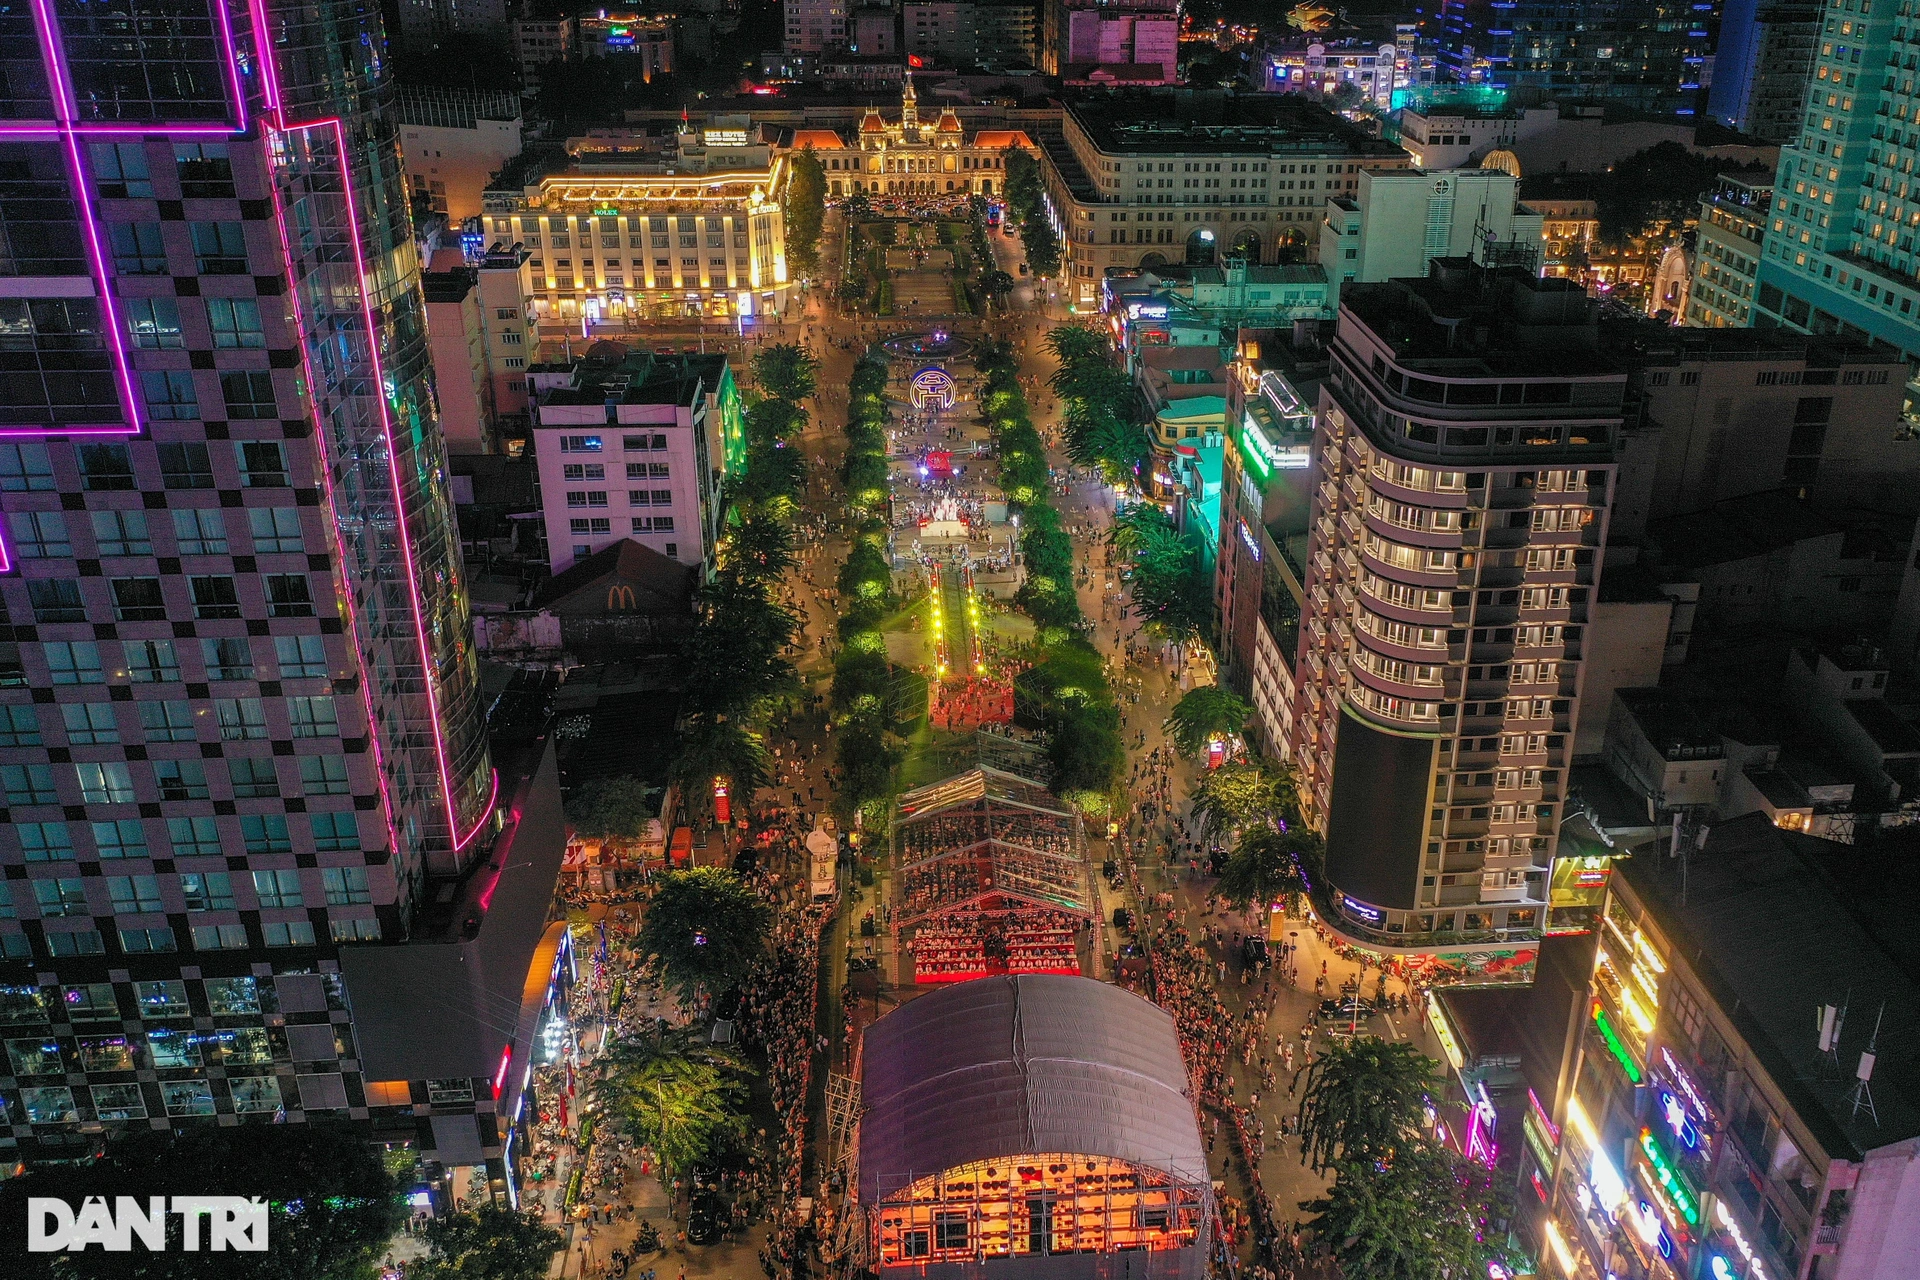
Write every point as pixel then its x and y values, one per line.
pixel 277 888
pixel 132 895
pixel 219 249
pixel 275 529
pixel 249 394
pixel 101 782
pixel 589 527
pixel 167 721
pixel 120 170
pixel 151 661
pixel 139 941
pixel 254 777
pixel 201 531
pixel 214 597
pixel 90 724
pixel 44 841
pixel 313 717
pixel 138 600
pixel 154 323
pixel 104 466
pixel 121 533
pixel 137 249
pixel 185 465
pixel 298 933
pixel 193 837
pixel 241 719
pixel 39 535
pixel 221 937
pixel 56 600
pixel 208 891
pixel 205 171
pixel 28 784
pixel 288 596
pixel 323 775
pixel 228 658
pixel 586 498
pixel 73 661
pixel 300 656
pixel 66 896
pixel 181 779
pixel 263 464
pixel 336 833
pixel 583 471
pixel 579 444
pixel 24 467
pixel 236 322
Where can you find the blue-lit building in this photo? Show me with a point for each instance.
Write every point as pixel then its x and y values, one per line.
pixel 1641 55
pixel 1839 252
pixel 1761 67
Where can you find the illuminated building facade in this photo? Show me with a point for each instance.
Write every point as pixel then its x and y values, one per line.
pixel 1143 180
pixel 911 156
pixel 1035 1125
pixel 605 242
pixel 1733 223
pixel 240 731
pixel 1462 467
pixel 635 448
pixel 1712 1126
pixel 1651 55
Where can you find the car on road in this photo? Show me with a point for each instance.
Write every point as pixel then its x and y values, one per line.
pixel 707 1220
pixel 1253 950
pixel 1352 1009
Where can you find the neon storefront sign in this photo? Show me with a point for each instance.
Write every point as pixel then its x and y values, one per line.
pixel 1674 1112
pixel 1681 1078
pixel 1671 1183
pixel 1615 1045
pixel 1246 536
pixel 1733 1232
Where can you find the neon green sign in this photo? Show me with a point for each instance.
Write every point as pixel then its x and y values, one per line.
pixel 1615 1044
pixel 1670 1180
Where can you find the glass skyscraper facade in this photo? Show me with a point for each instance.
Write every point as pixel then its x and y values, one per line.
pixel 1645 55
pixel 239 716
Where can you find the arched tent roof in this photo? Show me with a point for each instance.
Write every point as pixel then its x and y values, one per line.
pixel 1026 1065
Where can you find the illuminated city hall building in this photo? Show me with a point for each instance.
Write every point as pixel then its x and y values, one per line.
pixel 253 834
pixel 911 156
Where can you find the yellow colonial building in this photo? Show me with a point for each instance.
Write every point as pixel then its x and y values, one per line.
pixel 649 239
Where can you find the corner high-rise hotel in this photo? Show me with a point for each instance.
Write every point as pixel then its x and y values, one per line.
pixel 1462 469
pixel 253 841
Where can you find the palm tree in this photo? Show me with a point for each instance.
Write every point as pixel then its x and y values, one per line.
pixel 683 1098
pixel 1073 343
pixel 1415 1216
pixel 1364 1100
pixel 1204 714
pixel 1263 869
pixel 712 748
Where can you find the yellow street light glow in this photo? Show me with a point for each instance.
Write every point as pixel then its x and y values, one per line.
pixel 1577 1119
pixel 1641 1018
pixel 1562 1252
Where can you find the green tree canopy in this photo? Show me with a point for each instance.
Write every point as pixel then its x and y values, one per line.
pixel 1263 868
pixel 758 545
pixel 736 657
pixel 805 207
pixel 1364 1100
pixel 705 927
pixel 491 1242
pixel 617 806
pixel 786 370
pixel 1204 713
pixel 711 749
pixel 1042 246
pixel 1022 186
pixel 676 1093
pixel 331 1202
pixel 1419 1214
pixel 1242 794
